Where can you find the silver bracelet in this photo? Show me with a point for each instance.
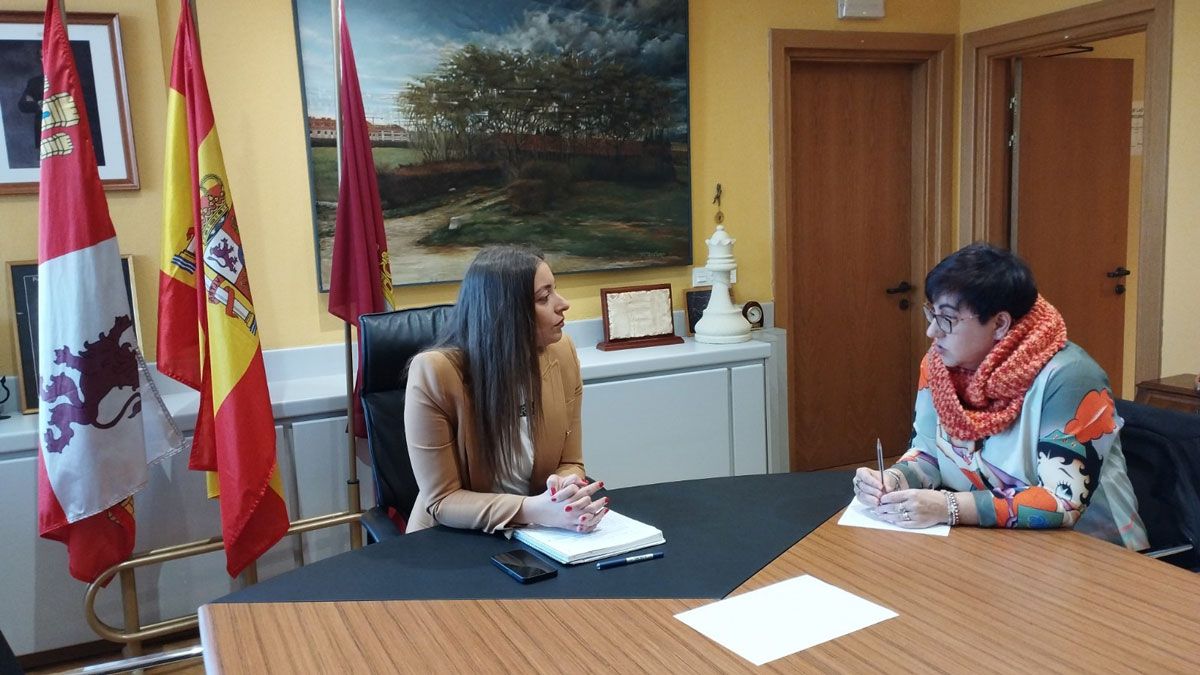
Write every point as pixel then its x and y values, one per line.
pixel 894 472
pixel 951 508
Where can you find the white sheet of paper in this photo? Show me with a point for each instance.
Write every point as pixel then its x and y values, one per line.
pixel 859 515
pixel 783 618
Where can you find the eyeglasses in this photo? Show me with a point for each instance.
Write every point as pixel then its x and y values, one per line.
pixel 944 323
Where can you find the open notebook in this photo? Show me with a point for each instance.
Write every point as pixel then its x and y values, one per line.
pixel 616 534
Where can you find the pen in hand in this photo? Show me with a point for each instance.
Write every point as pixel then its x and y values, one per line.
pixel 618 562
pixel 879 458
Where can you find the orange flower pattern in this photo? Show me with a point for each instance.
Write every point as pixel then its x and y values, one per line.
pixel 1095 417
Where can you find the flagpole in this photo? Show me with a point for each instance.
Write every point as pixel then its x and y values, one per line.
pixel 129 599
pixel 352 486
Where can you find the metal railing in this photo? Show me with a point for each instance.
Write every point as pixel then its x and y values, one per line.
pixel 133 633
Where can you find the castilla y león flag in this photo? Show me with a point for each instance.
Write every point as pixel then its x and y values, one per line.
pixel 100 419
pixel 360 280
pixel 207 327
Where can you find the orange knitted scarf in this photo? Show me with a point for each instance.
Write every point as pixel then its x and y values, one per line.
pixel 976 404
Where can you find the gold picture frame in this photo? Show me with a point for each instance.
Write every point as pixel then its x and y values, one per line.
pixel 22 277
pixel 96 43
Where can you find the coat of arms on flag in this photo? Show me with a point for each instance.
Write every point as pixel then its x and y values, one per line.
pixel 207 328
pixel 101 421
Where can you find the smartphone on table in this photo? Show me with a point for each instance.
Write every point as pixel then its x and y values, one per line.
pixel 524 566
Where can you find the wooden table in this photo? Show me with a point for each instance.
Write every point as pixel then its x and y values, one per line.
pixel 1177 392
pixel 1012 601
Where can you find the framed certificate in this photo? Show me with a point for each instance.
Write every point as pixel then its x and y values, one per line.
pixel 637 316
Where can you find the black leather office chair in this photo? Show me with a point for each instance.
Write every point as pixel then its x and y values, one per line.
pixel 8 661
pixel 389 340
pixel 1162 451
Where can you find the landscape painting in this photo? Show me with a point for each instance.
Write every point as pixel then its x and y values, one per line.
pixel 559 123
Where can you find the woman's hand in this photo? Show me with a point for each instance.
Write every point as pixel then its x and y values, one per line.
pixel 868 488
pixel 567 503
pixel 913 508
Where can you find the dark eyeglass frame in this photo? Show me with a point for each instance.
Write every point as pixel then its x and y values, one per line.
pixel 945 324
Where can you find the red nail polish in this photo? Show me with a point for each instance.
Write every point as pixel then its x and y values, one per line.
pixel 581 519
pixel 568 508
pixel 553 491
pixel 601 483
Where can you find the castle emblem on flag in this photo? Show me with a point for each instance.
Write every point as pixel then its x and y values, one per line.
pixel 226 283
pixel 58 111
pixel 103 366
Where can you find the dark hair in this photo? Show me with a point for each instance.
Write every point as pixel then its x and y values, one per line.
pixel 494 333
pixel 1090 464
pixel 988 279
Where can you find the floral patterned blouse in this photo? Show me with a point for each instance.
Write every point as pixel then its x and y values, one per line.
pixel 1059 464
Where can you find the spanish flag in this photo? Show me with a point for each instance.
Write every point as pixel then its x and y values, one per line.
pixel 208 331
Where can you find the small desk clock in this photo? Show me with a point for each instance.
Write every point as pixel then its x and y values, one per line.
pixel 753 313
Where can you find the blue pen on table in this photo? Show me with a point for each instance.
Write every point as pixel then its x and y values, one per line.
pixel 609 564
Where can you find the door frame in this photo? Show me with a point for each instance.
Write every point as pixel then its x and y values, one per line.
pixel 983 208
pixel 932 145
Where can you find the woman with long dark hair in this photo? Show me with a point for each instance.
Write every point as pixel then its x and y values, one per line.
pixel 492 412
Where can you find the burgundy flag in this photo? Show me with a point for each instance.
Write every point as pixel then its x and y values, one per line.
pixel 361 279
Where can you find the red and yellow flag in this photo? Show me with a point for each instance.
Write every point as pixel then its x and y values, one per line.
pixel 208 331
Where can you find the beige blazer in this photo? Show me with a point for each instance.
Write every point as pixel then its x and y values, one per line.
pixel 455 486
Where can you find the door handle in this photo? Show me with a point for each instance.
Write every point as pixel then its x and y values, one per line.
pixel 1118 273
pixel 903 287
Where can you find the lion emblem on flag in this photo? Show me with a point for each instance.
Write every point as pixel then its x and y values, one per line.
pixel 225 279
pixel 102 367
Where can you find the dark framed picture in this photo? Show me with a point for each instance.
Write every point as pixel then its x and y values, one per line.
pixel 695 301
pixel 96 44
pixel 563 123
pixel 637 316
pixel 23 280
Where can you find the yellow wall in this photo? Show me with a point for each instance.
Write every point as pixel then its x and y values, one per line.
pixel 1181 318
pixel 979 14
pixel 250 58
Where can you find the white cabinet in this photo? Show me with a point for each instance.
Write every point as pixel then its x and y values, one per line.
pixel 320 483
pixel 700 423
pixel 42 605
pixel 656 429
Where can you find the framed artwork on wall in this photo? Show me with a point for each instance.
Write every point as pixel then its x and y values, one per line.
pixel 563 125
pixel 96 44
pixel 23 280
